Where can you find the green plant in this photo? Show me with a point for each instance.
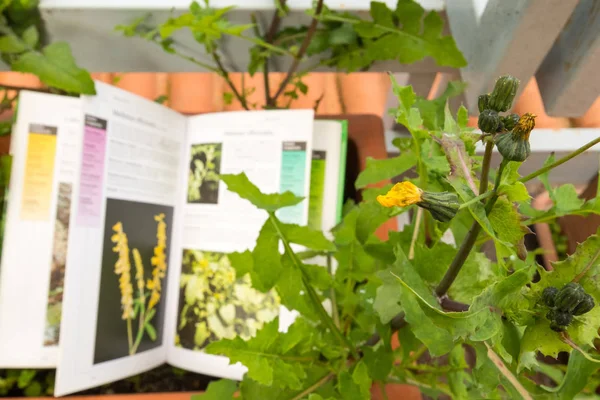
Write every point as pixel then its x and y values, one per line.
pixel 340 40
pixel 24 46
pixel 27 382
pixel 468 327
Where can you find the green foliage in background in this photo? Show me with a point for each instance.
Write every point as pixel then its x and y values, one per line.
pixel 339 40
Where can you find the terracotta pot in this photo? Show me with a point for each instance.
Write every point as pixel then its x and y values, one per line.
pixel 148 396
pixel 591 119
pixel 143 84
pixel 531 101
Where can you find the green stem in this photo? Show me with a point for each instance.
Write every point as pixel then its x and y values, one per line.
pixel 129 335
pixel 313 296
pixel 314 387
pixel 222 71
pixel 466 247
pixel 477 199
pixel 560 161
pixel 140 332
pixel 332 296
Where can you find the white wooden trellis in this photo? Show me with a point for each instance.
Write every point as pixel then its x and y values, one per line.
pixel 557 41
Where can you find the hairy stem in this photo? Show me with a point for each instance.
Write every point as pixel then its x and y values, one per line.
pixel 560 161
pixel 298 58
pixel 222 71
pixel 466 247
pixel 313 296
pixel 314 387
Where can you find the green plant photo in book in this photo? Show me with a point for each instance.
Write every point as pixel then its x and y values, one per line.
pixel 469 325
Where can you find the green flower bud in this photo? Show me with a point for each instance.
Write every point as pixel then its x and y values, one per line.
pixel 504 93
pixel 585 305
pixel 443 206
pixel 483 101
pixel 549 296
pixel 514 145
pixel 569 297
pixel 510 121
pixel 488 121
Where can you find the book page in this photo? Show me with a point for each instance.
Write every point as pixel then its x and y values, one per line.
pixel 273 148
pixel 121 237
pixel 45 143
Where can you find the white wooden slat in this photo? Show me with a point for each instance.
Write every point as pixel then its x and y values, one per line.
pixel 244 4
pixel 569 78
pixel 511 37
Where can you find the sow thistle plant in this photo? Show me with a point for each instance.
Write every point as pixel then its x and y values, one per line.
pixel 140 305
pixel 469 326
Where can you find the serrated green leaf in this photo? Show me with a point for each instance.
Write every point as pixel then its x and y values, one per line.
pixel 506 222
pixel 584 328
pixel 25 378
pixel 539 337
pixel 510 186
pixel 585 260
pixel 33 390
pixel 379 362
pixel 306 236
pixel 241 185
pixel 433 111
pixel 355 386
pixel 361 378
pixel 268 362
pixel 378 170
pixel 223 389
pixel 56 67
pixel 477 273
pixel 12 44
pixel 566 199
pixel 476 209
pixel 381 14
pixel 266 258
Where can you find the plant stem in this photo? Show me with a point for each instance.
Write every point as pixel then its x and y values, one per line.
pixel 560 161
pixel 273 29
pixel 19 88
pixel 477 199
pixel 298 58
pixel 222 71
pixel 332 297
pixel 466 247
pixel 314 297
pixel 485 171
pixel 314 387
pixel 129 335
pixel 411 251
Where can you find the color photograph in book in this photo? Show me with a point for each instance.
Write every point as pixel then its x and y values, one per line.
pixel 203 180
pixel 133 282
pixel 214 304
pixel 57 269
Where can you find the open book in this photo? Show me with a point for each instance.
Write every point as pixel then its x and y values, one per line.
pixel 118 229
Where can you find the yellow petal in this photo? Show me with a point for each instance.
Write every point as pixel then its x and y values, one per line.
pixel 525 125
pixel 403 194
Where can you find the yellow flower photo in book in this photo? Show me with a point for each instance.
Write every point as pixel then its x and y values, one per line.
pixel 215 304
pixel 133 281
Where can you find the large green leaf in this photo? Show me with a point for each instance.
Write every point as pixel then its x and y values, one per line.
pixel 56 67
pixel 272 358
pixel 266 266
pixel 306 236
pixel 241 185
pixel 378 170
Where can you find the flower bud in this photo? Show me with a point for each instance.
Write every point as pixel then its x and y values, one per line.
pixel 443 205
pixel 510 121
pixel 514 145
pixel 483 101
pixel 504 93
pixel 488 121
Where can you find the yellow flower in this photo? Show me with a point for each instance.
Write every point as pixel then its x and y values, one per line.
pixel 525 125
pixel 402 194
pixel 158 261
pixel 139 270
pixel 123 269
